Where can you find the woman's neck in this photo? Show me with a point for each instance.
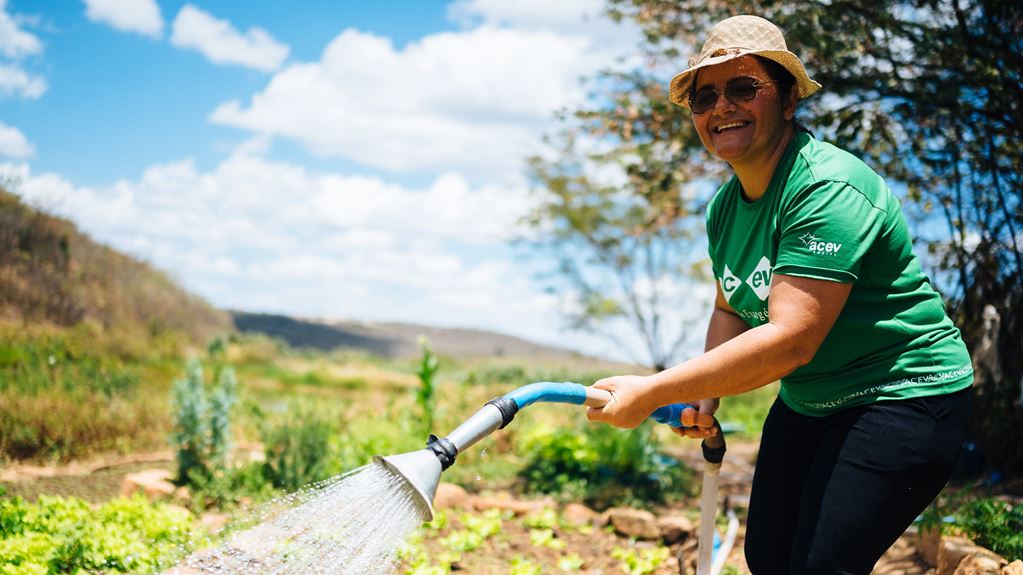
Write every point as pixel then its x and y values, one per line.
pixel 756 176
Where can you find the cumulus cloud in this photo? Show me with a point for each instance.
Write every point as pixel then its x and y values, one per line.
pixel 16 43
pixel 13 143
pixel 138 16
pixel 476 100
pixel 256 234
pixel 219 41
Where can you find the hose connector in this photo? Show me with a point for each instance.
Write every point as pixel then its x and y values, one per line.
pixel 445 451
pixel 507 407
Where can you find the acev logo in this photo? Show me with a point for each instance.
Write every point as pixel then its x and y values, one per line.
pixel 815 245
pixel 759 281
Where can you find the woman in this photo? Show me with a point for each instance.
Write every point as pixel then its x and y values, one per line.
pixel 818 287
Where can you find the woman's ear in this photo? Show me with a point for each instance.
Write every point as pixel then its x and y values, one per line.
pixel 789 103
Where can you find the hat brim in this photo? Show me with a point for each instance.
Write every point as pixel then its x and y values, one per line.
pixel 682 83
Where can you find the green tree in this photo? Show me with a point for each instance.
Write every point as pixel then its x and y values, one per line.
pixel 928 92
pixel 620 210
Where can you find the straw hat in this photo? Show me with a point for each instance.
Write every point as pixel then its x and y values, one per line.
pixel 740 36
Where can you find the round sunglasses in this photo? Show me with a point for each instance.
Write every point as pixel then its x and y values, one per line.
pixel 737 90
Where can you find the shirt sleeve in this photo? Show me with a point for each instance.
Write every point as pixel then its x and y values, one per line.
pixel 825 231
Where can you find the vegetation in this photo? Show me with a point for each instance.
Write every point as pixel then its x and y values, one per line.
pixel 426 371
pixel 202 423
pixel 50 272
pixel 68 393
pixel 602 466
pixel 990 521
pixel 299 448
pixel 67 535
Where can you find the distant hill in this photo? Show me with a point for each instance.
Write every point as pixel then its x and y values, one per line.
pixel 394 339
pixel 52 273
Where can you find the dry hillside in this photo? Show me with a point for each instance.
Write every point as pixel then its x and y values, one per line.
pixel 52 273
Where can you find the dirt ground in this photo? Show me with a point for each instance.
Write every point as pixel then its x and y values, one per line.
pixel 101 480
pixel 595 548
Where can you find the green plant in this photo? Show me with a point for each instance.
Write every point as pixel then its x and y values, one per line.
pixel 231 486
pixel 298 448
pixel 202 422
pixel 570 563
pixel 190 430
pixel 644 562
pixel 523 566
pixel 995 524
pixel 602 466
pixel 426 371
pixel 67 535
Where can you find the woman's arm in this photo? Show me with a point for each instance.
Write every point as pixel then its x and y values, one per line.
pixel 724 325
pixel 802 312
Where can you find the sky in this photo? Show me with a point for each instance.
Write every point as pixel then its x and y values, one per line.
pixel 324 159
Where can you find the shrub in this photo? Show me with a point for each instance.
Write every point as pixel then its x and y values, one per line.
pixel 299 449
pixel 994 524
pixel 67 535
pixel 603 466
pixel 202 423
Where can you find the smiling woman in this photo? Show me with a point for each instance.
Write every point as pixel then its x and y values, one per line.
pixel 818 286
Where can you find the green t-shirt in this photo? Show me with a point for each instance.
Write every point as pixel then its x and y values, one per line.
pixel 826 215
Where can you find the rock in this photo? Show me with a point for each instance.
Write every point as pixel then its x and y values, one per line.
pixel 212 521
pixel 450 495
pixel 634 522
pixel 154 483
pixel 954 550
pixel 504 501
pixel 1014 568
pixel 674 528
pixel 980 563
pixel 579 514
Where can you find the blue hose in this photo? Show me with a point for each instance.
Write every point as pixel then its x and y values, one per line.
pixel 574 393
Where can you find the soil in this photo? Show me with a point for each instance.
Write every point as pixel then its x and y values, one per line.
pixel 100 480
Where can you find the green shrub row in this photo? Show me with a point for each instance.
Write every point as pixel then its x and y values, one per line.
pixel 66 535
pixel 602 466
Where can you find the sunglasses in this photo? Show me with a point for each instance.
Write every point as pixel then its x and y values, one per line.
pixel 737 90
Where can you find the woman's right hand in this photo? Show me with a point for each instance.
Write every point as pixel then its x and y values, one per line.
pixel 699 422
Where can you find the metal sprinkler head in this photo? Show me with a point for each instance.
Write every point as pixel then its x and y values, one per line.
pixel 421 469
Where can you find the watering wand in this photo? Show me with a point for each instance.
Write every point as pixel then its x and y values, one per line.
pixel 422 468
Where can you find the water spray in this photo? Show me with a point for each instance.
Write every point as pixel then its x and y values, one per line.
pixel 422 469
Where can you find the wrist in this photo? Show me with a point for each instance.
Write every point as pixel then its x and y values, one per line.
pixel 657 395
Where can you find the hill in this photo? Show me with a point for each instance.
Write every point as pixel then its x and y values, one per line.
pixel 394 340
pixel 52 273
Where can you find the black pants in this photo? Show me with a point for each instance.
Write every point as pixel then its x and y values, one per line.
pixel 831 494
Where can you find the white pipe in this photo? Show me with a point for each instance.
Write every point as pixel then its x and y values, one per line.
pixel 708 513
pixel 726 544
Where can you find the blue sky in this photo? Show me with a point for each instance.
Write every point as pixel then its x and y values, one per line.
pixel 351 160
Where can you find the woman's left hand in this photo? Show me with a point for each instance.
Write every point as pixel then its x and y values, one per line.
pixel 630 401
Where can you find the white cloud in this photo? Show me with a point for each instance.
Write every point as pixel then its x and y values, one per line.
pixel 13 143
pixel 263 235
pixel 16 44
pixel 16 82
pixel 14 41
pixel 219 41
pixel 139 16
pixel 476 101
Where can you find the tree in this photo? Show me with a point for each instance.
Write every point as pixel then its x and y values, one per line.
pixel 929 93
pixel 622 218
